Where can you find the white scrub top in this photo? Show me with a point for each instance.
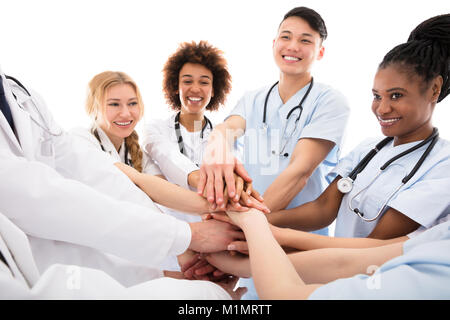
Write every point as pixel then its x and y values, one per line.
pixel 148 166
pixel 324 116
pixel 422 272
pixel 161 143
pixel 424 198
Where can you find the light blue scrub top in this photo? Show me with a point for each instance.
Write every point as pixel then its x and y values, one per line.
pixel 424 198
pixel 325 114
pixel 422 272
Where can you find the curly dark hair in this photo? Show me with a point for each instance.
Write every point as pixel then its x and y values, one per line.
pixel 206 55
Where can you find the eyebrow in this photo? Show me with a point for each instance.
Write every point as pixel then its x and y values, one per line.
pixel 303 34
pixel 190 76
pixel 392 89
pixel 115 99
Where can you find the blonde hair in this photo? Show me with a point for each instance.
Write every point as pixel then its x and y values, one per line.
pixel 95 106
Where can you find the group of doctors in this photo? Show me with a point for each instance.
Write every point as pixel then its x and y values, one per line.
pixel 282 140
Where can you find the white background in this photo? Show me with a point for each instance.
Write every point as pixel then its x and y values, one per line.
pixel 56 47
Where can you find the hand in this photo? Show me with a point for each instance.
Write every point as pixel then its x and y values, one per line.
pixel 218 164
pixel 228 284
pixel 242 219
pixel 238 264
pixel 197 268
pixel 132 173
pixel 213 235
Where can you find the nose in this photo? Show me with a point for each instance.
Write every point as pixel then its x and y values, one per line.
pixel 124 111
pixel 383 106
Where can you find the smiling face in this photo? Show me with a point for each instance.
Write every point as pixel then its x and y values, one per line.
pixel 195 88
pixel 404 104
pixel 122 113
pixel 296 47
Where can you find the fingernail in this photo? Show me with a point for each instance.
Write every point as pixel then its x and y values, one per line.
pixel 231 247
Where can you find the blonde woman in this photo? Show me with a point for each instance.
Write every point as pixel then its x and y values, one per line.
pixel 115 105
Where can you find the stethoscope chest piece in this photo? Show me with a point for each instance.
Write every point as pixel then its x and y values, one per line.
pixel 345 185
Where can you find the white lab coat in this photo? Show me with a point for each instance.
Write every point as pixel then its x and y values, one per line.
pixel 22 280
pixel 85 134
pixel 62 193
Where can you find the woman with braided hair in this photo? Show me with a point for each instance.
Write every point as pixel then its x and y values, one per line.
pixel 115 105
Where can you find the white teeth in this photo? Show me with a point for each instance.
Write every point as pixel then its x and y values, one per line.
pixel 388 120
pixel 291 58
pixel 123 123
pixel 194 99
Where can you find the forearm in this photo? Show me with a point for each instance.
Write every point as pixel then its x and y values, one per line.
pixel 285 187
pixel 309 241
pixel 329 264
pixel 274 275
pixel 171 195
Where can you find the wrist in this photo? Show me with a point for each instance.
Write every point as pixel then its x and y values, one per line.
pixel 193 178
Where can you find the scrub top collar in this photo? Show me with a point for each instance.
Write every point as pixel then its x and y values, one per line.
pixel 284 108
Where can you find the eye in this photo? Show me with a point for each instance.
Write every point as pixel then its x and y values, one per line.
pixel 306 41
pixel 376 97
pixel 133 103
pixel 284 37
pixel 113 104
pixel 396 96
pixel 205 83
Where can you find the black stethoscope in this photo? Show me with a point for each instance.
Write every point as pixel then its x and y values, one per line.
pixel 180 137
pixel 345 185
pixel 41 124
pixel 127 161
pixel 299 106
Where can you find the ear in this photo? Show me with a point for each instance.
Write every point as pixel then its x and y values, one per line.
pixel 321 52
pixel 436 87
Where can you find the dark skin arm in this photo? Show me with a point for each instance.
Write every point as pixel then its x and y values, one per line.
pixel 313 215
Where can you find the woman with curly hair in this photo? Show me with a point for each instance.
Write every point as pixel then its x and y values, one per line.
pixel 195 79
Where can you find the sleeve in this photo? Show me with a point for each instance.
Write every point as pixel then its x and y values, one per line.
pixel 35 196
pixel 346 164
pixel 328 122
pixel 432 188
pixel 84 134
pixel 240 109
pixel 174 165
pixel 150 167
pixel 73 282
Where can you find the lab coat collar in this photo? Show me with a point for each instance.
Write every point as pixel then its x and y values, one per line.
pixel 16 250
pixel 109 146
pixel 171 124
pixel 21 120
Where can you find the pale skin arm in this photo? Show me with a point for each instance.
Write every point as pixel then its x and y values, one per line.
pixel 307 155
pixel 278 276
pixel 162 192
pixel 219 162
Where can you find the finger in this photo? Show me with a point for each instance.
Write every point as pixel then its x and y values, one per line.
pixel 253 203
pixel 236 206
pixel 238 246
pixel 189 264
pixel 240 170
pixel 218 186
pixel 201 181
pixel 239 235
pixel 239 292
pixel 205 270
pixel 210 196
pixel 255 194
pixel 239 188
pixel 221 217
pixel 229 180
pixel 207 216
pixel 248 188
pixel 218 273
pixel 225 200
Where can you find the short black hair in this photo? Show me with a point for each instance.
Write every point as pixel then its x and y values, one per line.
pixel 314 19
pixel 426 53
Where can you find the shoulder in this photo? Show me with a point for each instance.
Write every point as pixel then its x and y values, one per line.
pixel 326 95
pixel 159 126
pixel 84 134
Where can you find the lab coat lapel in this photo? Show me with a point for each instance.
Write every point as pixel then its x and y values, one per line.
pixel 3 123
pixel 22 123
pixel 17 252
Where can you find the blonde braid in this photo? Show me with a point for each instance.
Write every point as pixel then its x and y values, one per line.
pixel 132 143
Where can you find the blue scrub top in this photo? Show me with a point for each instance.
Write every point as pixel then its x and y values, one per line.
pixel 422 272
pixel 424 199
pixel 325 114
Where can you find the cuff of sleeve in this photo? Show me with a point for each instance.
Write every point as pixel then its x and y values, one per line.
pixel 182 238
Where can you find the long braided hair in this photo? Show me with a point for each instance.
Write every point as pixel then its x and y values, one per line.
pixel 95 106
pixel 426 53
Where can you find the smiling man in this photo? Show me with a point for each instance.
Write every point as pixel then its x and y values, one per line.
pixel 290 132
